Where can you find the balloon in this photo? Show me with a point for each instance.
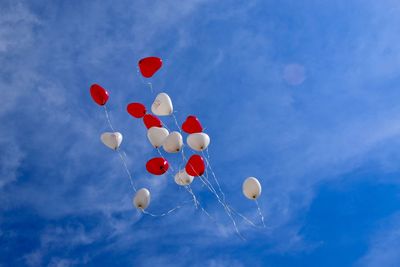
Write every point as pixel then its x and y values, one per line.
pixel 137 110
pixel 157 166
pixel 151 121
pixel 195 166
pixel 99 94
pixel 192 125
pixel 157 136
pixel 112 140
pixel 142 199
pixel 162 105
pixel 251 188
pixel 182 178
pixel 198 141
pixel 149 65
pixel 173 143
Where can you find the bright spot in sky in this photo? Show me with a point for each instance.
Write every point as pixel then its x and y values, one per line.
pixel 294 74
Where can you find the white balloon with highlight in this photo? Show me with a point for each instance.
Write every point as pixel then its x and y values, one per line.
pixel 162 105
pixel 142 199
pixel 173 143
pixel 251 188
pixel 111 140
pixel 157 136
pixel 182 178
pixel 198 141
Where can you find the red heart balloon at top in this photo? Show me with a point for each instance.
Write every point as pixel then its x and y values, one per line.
pixel 99 94
pixel 195 166
pixel 149 65
pixel 137 110
pixel 157 166
pixel 192 125
pixel 151 121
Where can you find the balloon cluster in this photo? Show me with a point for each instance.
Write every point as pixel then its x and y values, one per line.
pixel 160 137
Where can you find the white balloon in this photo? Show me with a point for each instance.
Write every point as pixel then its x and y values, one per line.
pixel 162 105
pixel 198 141
pixel 182 178
pixel 251 188
pixel 157 135
pixel 111 140
pixel 142 199
pixel 173 143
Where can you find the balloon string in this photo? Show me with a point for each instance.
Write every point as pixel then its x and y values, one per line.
pixel 118 150
pixel 222 202
pixel 171 210
pixel 183 154
pixel 126 168
pixel 260 213
pixel 227 210
pixel 108 118
pixel 151 87
pixel 220 190
pixel 205 175
pixel 165 213
pixel 212 173
pixel 246 219
pixel 164 125
pixel 207 183
pixel 176 122
pixel 143 81
pixel 159 152
pixel 197 202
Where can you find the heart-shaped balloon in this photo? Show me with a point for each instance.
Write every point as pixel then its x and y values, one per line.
pixel 192 125
pixel 173 143
pixel 195 166
pixel 162 105
pixel 112 140
pixel 157 166
pixel 137 110
pixel 151 121
pixel 157 135
pixel 149 65
pixel 182 178
pixel 99 94
pixel 198 141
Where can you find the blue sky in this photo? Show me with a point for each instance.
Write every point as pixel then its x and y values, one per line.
pixel 301 94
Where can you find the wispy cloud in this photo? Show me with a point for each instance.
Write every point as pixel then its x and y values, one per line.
pixel 383 245
pixel 221 64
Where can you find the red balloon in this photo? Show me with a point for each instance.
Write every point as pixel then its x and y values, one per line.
pixel 137 110
pixel 99 94
pixel 192 125
pixel 151 121
pixel 157 166
pixel 195 166
pixel 149 65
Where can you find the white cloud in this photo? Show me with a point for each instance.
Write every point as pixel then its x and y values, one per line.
pixel 10 159
pixel 16 25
